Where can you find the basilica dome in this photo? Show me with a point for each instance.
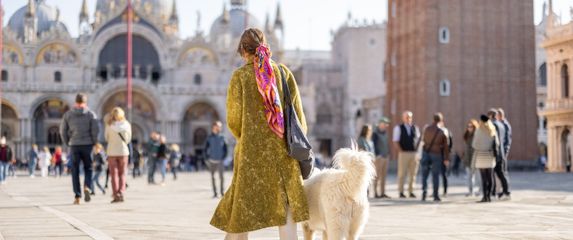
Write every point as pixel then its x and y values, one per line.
pixel 156 10
pixel 47 17
pixel 234 22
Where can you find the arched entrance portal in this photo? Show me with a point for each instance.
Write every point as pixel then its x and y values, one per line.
pixel 566 148
pixel 10 124
pixel 143 120
pixel 197 126
pixel 46 122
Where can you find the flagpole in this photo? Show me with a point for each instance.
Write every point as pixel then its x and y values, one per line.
pixel 1 58
pixel 129 59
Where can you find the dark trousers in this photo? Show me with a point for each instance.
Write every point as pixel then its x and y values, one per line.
pixel 217 166
pixel 486 181
pixel 434 163
pixel 174 171
pixel 58 169
pixel 500 171
pixel 136 170
pixel 445 177
pixel 151 164
pixel 81 154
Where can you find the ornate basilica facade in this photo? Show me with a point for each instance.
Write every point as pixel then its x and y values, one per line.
pixel 179 85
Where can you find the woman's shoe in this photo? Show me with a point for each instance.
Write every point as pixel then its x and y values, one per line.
pixel 115 200
pixel 483 200
pixel 121 198
pixel 76 201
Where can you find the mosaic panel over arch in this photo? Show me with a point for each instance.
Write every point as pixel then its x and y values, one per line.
pixel 56 53
pixel 12 55
pixel 197 56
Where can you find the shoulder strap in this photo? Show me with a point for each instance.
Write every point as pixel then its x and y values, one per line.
pixel 121 136
pixel 286 91
pixel 433 139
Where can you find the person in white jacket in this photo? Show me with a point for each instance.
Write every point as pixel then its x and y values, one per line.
pixel 45 159
pixel 117 135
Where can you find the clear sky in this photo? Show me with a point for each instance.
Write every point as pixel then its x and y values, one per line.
pixel 307 22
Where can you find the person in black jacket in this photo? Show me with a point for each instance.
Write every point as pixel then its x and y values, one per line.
pixel 5 159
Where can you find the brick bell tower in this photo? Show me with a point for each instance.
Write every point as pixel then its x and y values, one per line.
pixel 462 58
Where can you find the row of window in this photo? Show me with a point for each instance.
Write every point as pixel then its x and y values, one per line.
pixel 197 78
pixel 57 76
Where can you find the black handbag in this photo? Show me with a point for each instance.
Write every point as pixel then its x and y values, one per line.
pixel 298 146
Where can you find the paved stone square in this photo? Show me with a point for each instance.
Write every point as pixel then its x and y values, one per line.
pixel 541 208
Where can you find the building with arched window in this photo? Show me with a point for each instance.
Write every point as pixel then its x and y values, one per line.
pixel 179 85
pixel 558 111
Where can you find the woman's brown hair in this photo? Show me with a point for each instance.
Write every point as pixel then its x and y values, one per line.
pixel 250 40
pixel 467 133
pixel 366 130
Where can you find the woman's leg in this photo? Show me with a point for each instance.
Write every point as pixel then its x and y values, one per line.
pixel 121 169
pixel 163 169
pixel 288 231
pixel 470 175
pixel 485 183
pixel 113 171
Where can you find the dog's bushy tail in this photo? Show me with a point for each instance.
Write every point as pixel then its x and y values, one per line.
pixel 359 168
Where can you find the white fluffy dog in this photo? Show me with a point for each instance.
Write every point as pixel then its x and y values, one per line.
pixel 337 198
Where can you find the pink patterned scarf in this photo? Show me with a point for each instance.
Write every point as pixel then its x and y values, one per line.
pixel 266 82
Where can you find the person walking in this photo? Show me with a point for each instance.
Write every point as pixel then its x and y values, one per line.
pixel 174 160
pixel 215 153
pixel 58 162
pixel 263 193
pixel 5 159
pixel 137 154
pixel 445 168
pixel 117 135
pixel 406 138
pixel 162 158
pixel 507 139
pixel 152 148
pixel 435 154
pixel 99 166
pixel 468 156
pixel 33 156
pixel 382 151
pixel 501 160
pixel 45 159
pixel 486 146
pixel 79 130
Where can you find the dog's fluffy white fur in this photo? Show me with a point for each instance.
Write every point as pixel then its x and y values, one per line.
pixel 337 197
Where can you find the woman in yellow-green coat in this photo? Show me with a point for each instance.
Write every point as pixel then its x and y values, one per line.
pixel 266 189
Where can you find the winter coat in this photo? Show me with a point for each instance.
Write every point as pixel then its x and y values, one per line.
pixel 116 146
pixel 265 178
pixel 485 149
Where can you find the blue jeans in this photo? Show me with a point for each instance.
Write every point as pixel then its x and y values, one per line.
pixel 431 162
pixel 95 180
pixel 81 154
pixel 32 166
pixel 3 171
pixel 163 168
